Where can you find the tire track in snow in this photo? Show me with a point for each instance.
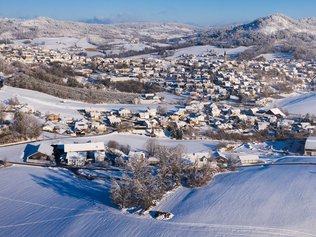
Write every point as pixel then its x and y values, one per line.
pixel 246 229
pixel 44 206
pixel 51 220
pixel 230 230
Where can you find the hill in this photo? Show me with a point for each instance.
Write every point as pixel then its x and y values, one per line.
pixel 262 201
pixel 119 37
pixel 270 34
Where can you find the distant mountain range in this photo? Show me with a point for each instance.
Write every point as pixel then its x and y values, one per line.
pixel 119 37
pixel 269 34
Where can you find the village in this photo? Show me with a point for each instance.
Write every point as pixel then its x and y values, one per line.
pixel 157 118
pixel 218 97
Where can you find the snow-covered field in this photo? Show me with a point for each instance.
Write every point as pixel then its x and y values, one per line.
pixel 299 104
pixel 199 50
pixel 47 103
pixel 262 201
pixel 273 56
pixel 196 51
pixel 59 43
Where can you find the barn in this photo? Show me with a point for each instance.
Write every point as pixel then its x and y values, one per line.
pixel 37 153
pixel 79 153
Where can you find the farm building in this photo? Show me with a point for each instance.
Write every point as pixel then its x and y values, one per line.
pixel 310 146
pixel 37 153
pixel 79 153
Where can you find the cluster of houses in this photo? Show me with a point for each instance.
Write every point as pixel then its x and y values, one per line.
pixel 195 115
pixel 81 154
pixel 226 95
pixel 39 55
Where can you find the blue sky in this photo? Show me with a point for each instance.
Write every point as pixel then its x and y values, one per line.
pixel 200 12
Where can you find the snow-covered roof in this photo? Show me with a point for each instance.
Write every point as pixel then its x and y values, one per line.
pixel 96 146
pixel 31 149
pixel 310 143
pixel 243 157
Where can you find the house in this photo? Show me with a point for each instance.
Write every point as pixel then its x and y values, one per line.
pixel 79 153
pixel 4 128
pixel 262 125
pixel 153 161
pixel 152 112
pixel 246 159
pixel 53 117
pixel 199 158
pixel 310 146
pixel 37 152
pixel 100 127
pixel 142 124
pixel 276 112
pixel 81 126
pixel 48 127
pixel 136 154
pixel 95 115
pixel 143 115
pixel 113 120
pixel 124 112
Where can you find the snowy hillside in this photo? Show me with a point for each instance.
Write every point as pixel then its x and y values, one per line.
pixel 67 108
pixel 270 201
pixel 135 35
pixel 274 23
pixel 299 104
pixel 271 34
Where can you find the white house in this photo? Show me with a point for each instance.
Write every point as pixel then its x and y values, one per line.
pixel 80 153
pixel 310 146
pixel 80 126
pixel 136 154
pixel 114 120
pixel 247 159
pixel 124 112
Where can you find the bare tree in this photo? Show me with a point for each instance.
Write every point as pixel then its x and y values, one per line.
pixel 120 193
pixel 161 110
pixel 26 125
pixel 2 111
pixel 13 101
pixel 151 147
pixel 113 144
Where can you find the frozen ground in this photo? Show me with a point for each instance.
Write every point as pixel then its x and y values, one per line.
pixel 47 103
pixel 269 201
